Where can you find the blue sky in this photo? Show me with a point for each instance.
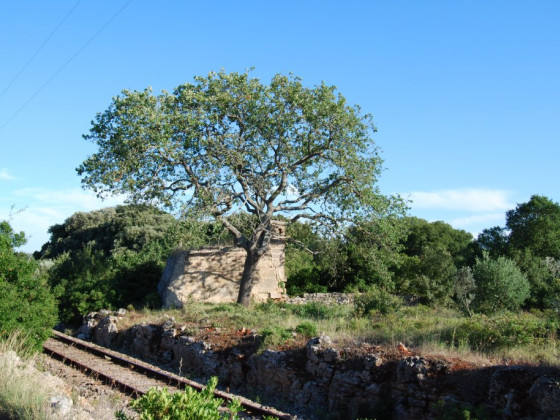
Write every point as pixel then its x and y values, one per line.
pixel 465 94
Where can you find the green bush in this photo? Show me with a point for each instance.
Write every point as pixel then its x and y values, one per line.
pixel 500 285
pixel 110 258
pixel 26 302
pixel 507 330
pixel 376 300
pixel 307 329
pixel 159 404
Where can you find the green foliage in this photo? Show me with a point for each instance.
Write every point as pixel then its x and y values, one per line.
pixel 429 276
pixel 452 410
pixel 26 301
pixel 500 285
pixel 431 255
pixel 110 230
pixel 543 277
pixel 81 281
pixel 531 236
pixel 366 256
pixel 160 404
pixel 372 253
pixel 506 330
pixel 315 310
pixel 376 301
pixel 111 258
pixel 307 329
pixel 438 236
pixel 494 241
pixel 535 225
pixel 302 262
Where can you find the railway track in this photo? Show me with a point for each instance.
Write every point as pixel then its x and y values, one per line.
pixel 134 376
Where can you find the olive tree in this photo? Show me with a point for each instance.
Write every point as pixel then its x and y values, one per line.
pixel 228 143
pixel 500 285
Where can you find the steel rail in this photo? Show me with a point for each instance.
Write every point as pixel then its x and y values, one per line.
pixel 147 370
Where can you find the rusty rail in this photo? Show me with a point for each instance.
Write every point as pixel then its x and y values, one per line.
pixel 138 366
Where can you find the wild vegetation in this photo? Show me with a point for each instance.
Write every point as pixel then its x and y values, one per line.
pixel 26 301
pixel 159 404
pixel 113 258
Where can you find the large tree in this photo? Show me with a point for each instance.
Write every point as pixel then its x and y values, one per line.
pixel 535 225
pixel 228 143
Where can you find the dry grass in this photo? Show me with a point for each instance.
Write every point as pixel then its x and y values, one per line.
pixel 25 389
pixel 22 394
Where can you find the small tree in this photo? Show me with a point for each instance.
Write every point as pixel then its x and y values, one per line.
pixel 465 288
pixel 228 143
pixel 500 284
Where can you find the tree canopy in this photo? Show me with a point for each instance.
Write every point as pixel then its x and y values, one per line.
pixel 109 230
pixel 228 143
pixel 111 257
pixel 535 225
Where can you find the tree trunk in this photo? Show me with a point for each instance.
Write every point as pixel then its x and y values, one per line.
pixel 249 277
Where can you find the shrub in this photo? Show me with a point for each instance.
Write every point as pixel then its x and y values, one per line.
pixel 376 300
pixel 500 285
pixel 315 310
pixel 507 330
pixel 307 329
pixel 26 302
pixel 159 404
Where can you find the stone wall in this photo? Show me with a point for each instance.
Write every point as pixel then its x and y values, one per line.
pixel 213 274
pixel 322 381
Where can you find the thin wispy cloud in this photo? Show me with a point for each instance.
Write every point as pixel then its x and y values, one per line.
pixel 72 197
pixel 6 176
pixel 47 207
pixel 473 200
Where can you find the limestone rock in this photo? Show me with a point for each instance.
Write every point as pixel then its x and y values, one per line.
pixel 61 405
pixel 106 331
pixel 90 322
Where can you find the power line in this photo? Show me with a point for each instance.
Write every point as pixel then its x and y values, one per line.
pixel 39 49
pixel 15 114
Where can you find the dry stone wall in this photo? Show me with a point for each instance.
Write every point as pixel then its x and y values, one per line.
pixel 323 381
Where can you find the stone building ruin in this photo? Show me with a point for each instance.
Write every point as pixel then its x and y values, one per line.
pixel 213 274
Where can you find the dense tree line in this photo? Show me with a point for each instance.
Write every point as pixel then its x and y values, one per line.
pixel 511 267
pixel 114 257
